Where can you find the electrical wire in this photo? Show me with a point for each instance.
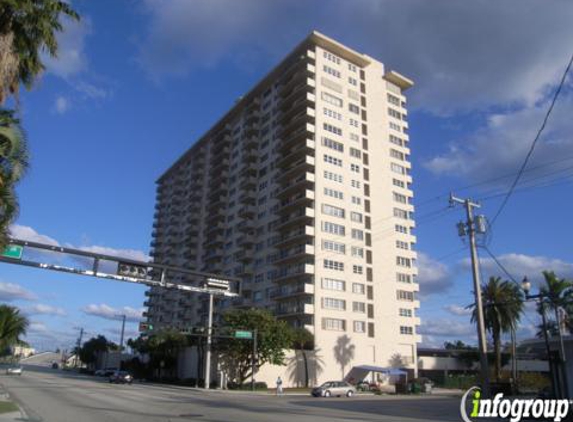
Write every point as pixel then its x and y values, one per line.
pixel 533 144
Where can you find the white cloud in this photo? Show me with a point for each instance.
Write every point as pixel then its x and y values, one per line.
pixel 41 309
pixel 501 145
pixel 447 328
pixel 458 310
pixel 92 91
pixel 520 265
pixel 71 59
pixel 10 292
pixel 61 105
pixel 461 54
pixel 28 233
pixel 107 312
pixel 433 276
pixel 123 253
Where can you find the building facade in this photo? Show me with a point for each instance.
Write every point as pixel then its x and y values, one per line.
pixel 303 190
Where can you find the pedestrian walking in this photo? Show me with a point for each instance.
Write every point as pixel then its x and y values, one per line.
pixel 279 386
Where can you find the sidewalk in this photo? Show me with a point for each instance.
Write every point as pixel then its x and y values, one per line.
pixel 18 415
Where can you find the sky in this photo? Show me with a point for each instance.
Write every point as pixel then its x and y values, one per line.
pixel 137 82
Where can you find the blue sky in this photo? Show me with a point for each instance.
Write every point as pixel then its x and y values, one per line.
pixel 137 82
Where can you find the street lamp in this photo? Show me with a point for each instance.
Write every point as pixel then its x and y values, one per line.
pixel 556 386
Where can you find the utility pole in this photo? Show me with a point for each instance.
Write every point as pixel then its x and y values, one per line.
pixel 562 358
pixel 122 333
pixel 78 345
pixel 208 347
pixel 254 360
pixel 470 229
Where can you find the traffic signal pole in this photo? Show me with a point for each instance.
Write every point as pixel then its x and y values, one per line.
pixel 208 348
pixel 482 341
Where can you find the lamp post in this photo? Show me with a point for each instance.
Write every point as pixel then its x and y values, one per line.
pixel 555 385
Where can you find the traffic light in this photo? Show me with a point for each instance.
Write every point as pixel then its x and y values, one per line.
pixel 131 270
pixel 145 327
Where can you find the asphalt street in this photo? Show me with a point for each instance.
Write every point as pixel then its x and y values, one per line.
pixel 57 396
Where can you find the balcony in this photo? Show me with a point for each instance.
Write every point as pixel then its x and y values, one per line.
pixel 213 241
pixel 247 211
pixel 246 241
pixel 296 154
pixel 294 253
pixel 301 216
pixel 294 309
pixel 304 164
pixel 292 186
pixel 248 182
pixel 293 272
pixel 297 236
pixel 247 171
pixel 248 197
pixel 301 199
pixel 246 226
pixel 287 291
pixel 289 140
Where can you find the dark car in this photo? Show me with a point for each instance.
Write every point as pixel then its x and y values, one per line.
pixel 121 377
pixel 334 388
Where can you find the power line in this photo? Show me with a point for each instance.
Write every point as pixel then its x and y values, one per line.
pixel 533 144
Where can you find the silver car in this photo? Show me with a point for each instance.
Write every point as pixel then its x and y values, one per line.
pixel 334 388
pixel 14 370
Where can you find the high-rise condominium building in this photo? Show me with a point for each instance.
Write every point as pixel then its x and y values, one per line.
pixel 303 190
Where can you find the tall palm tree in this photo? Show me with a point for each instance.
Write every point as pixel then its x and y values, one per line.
pixel 13 325
pixel 503 307
pixel 28 28
pixel 303 340
pixel 557 294
pixel 13 164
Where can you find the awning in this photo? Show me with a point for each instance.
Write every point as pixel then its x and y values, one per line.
pixel 359 372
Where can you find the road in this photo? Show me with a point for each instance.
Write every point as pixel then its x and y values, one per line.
pixel 57 396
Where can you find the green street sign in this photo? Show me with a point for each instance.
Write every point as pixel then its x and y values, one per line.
pixel 13 251
pixel 244 334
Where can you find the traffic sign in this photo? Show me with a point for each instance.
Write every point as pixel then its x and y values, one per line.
pixel 244 334
pixel 13 251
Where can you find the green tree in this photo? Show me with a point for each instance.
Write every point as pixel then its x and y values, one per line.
pixel 28 28
pixel 162 347
pixel 303 341
pixel 273 338
pixel 13 325
pixel 503 307
pixel 88 353
pixel 557 294
pixel 13 164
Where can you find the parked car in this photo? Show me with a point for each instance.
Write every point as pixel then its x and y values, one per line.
pixel 55 365
pixel 334 388
pixel 14 370
pixel 121 377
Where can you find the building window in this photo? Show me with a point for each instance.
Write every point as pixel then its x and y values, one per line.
pixel 331 113
pixel 398 197
pixel 359 327
pixel 331 71
pixel 333 211
pixel 396 141
pixel 331 99
pixel 403 262
pixel 333 228
pixel 397 154
pixel 356 153
pixel 397 168
pixel 333 284
pixel 394 113
pixel 405 295
pixel 400 213
pixel 332 160
pixel 352 81
pixel 357 252
pixel 358 288
pixel 359 307
pixel 331 57
pixel 355 184
pixel 333 193
pixel 392 99
pixel 333 324
pixel 403 278
pixel 357 269
pixel 336 247
pixel 332 129
pixel 329 143
pixel 356 200
pixel 333 265
pixel 355 168
pixel 399 183
pixel 354 137
pixel 354 122
pixel 406 330
pixel 357 234
pixel 352 67
pixel 395 126
pixel 356 217
pixel 401 229
pixel 332 303
pixel 400 244
pixel 404 312
pixel 333 176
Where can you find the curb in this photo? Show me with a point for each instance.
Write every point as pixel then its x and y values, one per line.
pixel 20 415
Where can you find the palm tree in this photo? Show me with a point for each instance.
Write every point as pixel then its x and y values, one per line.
pixel 13 325
pixel 303 340
pixel 503 307
pixel 557 294
pixel 28 28
pixel 13 164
